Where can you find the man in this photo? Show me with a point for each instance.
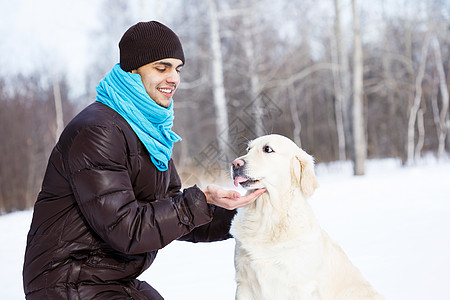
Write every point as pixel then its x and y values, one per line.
pixel 111 194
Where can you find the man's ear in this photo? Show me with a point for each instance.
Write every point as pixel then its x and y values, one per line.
pixel 303 172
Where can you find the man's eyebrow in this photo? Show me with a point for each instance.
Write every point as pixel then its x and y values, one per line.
pixel 167 64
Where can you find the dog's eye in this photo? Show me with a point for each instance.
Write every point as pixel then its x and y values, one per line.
pixel 267 149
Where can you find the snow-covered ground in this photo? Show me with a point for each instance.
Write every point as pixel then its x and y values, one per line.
pixel 393 223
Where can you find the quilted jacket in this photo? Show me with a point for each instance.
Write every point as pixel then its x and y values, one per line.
pixel 104 211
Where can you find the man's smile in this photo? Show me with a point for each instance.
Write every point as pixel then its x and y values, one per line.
pixel 166 91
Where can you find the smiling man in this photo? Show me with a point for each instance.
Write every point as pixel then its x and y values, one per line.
pixel 161 79
pixel 111 196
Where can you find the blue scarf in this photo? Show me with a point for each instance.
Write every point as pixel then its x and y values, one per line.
pixel 125 93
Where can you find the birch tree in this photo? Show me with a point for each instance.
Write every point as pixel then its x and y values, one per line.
pixel 417 99
pixel 359 138
pixel 58 109
pixel 249 23
pixel 220 103
pixel 444 95
pixel 421 134
pixel 341 79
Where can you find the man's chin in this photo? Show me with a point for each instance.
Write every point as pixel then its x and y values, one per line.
pixel 164 103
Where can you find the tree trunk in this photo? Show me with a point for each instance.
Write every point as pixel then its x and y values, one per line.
pixel 444 96
pixel 435 105
pixel 255 97
pixel 58 110
pixel 359 139
pixel 220 102
pixel 421 134
pixel 392 126
pixel 416 104
pixel 341 82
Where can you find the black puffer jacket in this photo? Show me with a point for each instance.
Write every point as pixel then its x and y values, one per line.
pixel 105 210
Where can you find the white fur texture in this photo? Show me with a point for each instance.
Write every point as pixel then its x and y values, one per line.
pixel 281 251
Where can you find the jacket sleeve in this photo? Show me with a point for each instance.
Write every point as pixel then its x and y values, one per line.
pixel 97 163
pixel 216 230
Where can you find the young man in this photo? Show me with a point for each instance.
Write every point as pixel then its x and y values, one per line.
pixel 111 194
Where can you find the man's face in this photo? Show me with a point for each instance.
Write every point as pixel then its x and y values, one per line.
pixel 161 79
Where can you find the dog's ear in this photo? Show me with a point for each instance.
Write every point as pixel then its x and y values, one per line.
pixel 303 172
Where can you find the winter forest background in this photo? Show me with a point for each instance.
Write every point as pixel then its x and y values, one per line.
pixel 345 79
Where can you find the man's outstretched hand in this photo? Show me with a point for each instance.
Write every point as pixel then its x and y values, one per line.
pixel 229 199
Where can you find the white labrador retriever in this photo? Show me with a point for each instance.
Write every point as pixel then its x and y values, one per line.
pixel 281 251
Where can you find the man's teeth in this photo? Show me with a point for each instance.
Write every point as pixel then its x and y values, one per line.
pixel 168 91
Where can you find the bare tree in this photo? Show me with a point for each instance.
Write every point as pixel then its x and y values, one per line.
pixel 220 102
pixel 421 134
pixel 341 80
pixel 58 109
pixel 417 99
pixel 249 23
pixel 27 123
pixel 359 137
pixel 444 95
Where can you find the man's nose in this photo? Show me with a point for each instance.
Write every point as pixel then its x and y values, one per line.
pixel 173 77
pixel 238 163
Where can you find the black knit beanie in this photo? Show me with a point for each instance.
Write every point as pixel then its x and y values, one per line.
pixel 146 42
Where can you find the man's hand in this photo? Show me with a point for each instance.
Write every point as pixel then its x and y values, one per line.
pixel 229 199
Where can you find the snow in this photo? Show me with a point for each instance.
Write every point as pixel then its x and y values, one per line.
pixel 393 223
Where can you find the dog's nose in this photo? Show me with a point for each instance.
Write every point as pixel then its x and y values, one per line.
pixel 238 163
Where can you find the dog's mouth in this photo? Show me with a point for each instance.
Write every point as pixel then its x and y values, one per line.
pixel 244 181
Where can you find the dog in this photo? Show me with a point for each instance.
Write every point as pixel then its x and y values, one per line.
pixel 281 251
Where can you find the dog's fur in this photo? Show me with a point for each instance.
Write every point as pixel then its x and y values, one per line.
pixel 281 252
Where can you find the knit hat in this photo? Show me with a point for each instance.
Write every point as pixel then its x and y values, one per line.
pixel 146 42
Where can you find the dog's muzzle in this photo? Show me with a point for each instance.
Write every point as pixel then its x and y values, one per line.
pixel 238 173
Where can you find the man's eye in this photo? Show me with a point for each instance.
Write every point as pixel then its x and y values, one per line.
pixel 267 149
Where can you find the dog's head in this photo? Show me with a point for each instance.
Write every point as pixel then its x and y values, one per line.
pixel 274 161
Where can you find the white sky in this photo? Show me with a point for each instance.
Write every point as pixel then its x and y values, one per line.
pixel 54 35
pixel 55 30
